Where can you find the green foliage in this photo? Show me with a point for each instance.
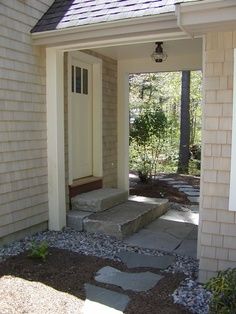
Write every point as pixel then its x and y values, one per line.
pixel 155 109
pixel 223 288
pixel 147 135
pixel 39 251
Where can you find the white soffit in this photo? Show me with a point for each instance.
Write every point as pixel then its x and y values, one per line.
pixel 144 50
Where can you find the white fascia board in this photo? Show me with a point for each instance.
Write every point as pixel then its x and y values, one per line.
pixel 132 28
pixel 122 40
pixel 201 17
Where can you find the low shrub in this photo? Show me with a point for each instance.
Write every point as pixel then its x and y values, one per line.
pixel 223 288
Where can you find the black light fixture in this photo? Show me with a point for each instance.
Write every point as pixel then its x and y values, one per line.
pixel 159 55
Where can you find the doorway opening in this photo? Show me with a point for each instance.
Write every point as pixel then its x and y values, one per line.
pixel 165 147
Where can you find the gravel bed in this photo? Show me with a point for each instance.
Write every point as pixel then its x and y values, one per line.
pixel 190 293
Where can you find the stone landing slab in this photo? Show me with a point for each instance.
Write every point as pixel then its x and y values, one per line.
pixel 125 219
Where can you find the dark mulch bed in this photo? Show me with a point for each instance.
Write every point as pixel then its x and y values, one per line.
pixel 157 188
pixel 68 272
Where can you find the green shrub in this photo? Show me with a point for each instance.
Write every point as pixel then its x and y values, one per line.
pixel 223 288
pixel 39 251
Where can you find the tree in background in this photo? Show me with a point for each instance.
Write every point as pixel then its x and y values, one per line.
pixel 150 92
pixel 147 134
pixel 184 148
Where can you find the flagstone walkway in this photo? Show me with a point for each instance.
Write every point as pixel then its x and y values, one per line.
pixel 106 300
pixel 192 193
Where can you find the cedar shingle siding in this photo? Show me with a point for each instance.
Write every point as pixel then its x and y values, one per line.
pixel 23 143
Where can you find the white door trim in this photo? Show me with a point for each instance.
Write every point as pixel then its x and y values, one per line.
pixel 97 112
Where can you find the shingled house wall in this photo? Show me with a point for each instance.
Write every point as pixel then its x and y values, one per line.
pixel 217 230
pixel 23 142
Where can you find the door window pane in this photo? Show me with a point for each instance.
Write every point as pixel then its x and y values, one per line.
pixel 78 79
pixel 85 81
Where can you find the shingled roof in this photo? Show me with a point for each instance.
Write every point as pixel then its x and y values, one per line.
pixel 71 13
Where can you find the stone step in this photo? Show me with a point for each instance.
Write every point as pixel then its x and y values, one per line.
pixel 99 200
pixel 125 219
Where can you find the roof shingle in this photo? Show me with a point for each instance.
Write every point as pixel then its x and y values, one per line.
pixel 71 13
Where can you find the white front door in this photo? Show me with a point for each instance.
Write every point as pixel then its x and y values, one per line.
pixel 82 119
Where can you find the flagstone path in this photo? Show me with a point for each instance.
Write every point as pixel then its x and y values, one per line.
pixel 191 192
pixel 107 301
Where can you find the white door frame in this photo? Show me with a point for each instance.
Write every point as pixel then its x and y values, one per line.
pixel 97 112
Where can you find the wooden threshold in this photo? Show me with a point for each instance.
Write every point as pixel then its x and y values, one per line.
pixel 83 185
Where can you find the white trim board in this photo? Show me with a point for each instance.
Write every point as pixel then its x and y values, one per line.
pixel 232 192
pixel 55 138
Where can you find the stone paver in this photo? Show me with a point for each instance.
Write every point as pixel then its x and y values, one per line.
pixel 177 182
pixel 180 186
pixel 133 260
pixel 138 282
pixel 188 248
pixel 192 193
pixel 103 301
pixel 158 240
pixel 181 216
pixel 166 179
pixel 176 231
pixel 193 234
pixel 179 230
pixel 188 190
pixel 193 199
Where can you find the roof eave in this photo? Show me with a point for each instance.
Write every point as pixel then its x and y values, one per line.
pixel 131 26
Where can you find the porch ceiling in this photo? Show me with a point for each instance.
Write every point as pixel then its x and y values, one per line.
pixel 144 50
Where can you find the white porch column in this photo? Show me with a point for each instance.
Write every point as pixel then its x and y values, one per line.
pixel 55 138
pixel 232 194
pixel 123 128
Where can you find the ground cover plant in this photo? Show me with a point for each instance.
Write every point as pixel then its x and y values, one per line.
pixel 38 251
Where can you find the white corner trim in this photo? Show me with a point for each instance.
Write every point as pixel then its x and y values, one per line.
pixel 123 128
pixel 55 138
pixel 232 192
pixel 97 112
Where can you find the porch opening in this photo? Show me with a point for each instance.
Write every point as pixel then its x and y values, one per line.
pixel 165 151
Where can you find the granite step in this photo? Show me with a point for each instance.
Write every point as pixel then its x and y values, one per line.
pixel 125 219
pixel 99 200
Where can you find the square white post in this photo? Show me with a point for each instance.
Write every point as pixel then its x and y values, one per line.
pixel 123 128
pixel 232 193
pixel 55 138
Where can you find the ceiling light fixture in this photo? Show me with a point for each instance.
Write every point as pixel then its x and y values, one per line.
pixel 159 55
